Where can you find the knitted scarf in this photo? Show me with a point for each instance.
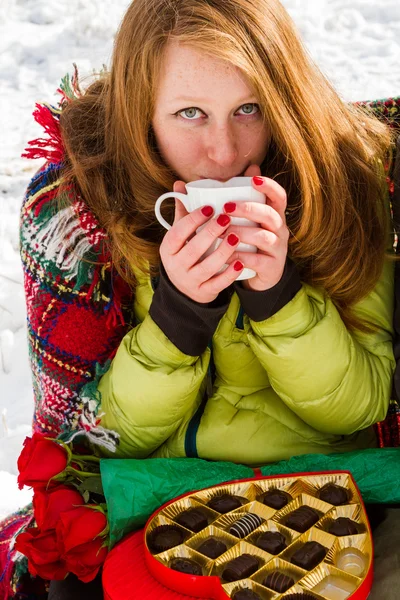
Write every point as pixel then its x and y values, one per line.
pixel 73 296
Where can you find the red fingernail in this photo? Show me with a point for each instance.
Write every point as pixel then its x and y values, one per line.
pixel 238 266
pixel 258 180
pixel 207 211
pixel 223 220
pixel 232 239
pixel 229 207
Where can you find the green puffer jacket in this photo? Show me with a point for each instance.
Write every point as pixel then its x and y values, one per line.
pixel 298 382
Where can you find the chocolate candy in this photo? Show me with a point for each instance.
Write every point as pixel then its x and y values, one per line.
pixel 194 519
pixel 186 565
pixel 248 523
pixel 334 494
pixel 309 555
pixel 343 526
pixel 224 503
pixel 271 541
pixel 302 518
pixel 276 499
pixel 164 537
pixel 241 567
pixel 212 547
pixel 245 594
pixel 279 582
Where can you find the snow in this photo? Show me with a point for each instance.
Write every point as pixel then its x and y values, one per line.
pixel 356 45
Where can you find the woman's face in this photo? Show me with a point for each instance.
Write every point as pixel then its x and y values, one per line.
pixel 207 121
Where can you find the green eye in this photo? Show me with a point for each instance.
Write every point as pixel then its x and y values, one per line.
pixel 247 108
pixel 189 112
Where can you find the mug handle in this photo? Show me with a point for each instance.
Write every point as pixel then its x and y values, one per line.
pixel 181 197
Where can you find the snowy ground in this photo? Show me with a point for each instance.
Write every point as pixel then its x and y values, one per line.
pixel 356 44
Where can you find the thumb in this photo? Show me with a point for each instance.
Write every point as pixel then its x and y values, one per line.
pixel 180 210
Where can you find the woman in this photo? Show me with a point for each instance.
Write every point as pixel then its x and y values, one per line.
pixel 177 360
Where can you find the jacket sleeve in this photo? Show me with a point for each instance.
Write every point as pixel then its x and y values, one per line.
pixel 150 387
pixel 160 367
pixel 336 381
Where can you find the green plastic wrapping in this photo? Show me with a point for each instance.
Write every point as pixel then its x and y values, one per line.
pixel 134 489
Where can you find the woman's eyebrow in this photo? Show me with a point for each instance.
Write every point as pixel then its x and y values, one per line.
pixel 206 100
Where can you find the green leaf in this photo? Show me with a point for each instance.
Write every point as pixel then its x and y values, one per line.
pixel 93 484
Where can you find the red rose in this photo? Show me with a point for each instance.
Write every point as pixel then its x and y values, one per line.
pixel 85 560
pixel 78 533
pixel 41 549
pixel 48 505
pixel 40 460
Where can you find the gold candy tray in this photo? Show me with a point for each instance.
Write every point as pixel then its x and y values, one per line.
pixel 345 571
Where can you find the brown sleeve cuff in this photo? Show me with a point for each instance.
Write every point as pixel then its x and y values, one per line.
pixel 189 325
pixel 259 306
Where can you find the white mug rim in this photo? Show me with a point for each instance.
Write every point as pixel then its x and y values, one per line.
pixel 221 185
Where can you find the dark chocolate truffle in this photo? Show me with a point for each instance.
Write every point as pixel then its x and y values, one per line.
pixel 164 537
pixel 241 567
pixel 276 499
pixel 212 547
pixel 194 519
pixel 302 518
pixel 245 525
pixel 309 555
pixel 279 582
pixel 245 594
pixel 334 494
pixel 224 503
pixel 271 541
pixel 186 565
pixel 343 526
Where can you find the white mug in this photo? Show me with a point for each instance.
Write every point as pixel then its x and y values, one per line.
pixel 216 193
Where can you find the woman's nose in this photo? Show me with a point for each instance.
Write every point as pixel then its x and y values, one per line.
pixel 221 145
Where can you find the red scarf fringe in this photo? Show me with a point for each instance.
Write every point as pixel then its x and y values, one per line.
pixel 52 148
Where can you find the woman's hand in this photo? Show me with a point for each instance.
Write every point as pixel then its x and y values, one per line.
pixel 182 249
pixel 271 238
